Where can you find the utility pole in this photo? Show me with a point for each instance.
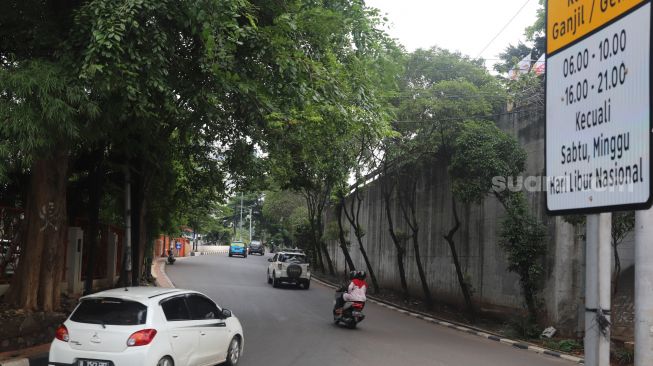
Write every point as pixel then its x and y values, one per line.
pixel 598 270
pixel 127 251
pixel 250 224
pixel 643 287
pixel 240 223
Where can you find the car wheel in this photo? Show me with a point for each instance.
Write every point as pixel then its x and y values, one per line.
pixel 275 282
pixel 307 284
pixel 244 255
pixel 165 361
pixel 269 279
pixel 233 354
pixel 230 255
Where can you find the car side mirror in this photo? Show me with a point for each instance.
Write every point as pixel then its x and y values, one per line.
pixel 269 259
pixel 226 313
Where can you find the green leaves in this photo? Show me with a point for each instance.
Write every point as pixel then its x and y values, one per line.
pixel 40 106
pixel 482 153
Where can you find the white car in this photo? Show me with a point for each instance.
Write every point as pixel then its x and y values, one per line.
pixel 147 326
pixel 289 267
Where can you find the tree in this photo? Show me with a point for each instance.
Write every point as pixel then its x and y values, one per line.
pixel 283 213
pixel 353 216
pixel 337 99
pixel 178 96
pixel 483 153
pixel 340 208
pixel 523 239
pixel 43 109
pixel 388 185
pixel 440 91
pixel 622 224
pixel 512 55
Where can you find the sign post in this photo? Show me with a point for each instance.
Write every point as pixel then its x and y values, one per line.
pixel 598 120
pixel 598 150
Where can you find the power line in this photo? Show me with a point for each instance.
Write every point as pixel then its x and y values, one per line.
pixel 522 108
pixel 503 28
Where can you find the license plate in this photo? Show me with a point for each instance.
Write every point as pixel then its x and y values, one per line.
pixel 94 363
pixel 356 314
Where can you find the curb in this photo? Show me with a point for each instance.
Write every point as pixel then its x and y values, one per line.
pixel 42 358
pixel 462 328
pixel 159 272
pixel 16 362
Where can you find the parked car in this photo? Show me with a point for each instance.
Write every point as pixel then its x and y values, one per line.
pixel 256 247
pixel 148 326
pixel 289 267
pixel 237 248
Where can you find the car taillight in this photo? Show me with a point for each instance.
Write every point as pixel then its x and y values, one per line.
pixel 141 338
pixel 62 333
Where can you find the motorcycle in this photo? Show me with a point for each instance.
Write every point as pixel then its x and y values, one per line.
pixel 171 258
pixel 350 314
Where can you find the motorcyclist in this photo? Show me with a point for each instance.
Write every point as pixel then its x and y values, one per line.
pixel 171 256
pixel 355 291
pixel 357 288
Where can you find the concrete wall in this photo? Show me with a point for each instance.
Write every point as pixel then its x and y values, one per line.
pixel 477 240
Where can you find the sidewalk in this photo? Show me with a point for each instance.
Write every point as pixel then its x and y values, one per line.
pixel 25 356
pixel 159 273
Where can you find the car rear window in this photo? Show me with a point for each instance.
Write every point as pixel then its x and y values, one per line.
pixel 110 311
pixel 292 258
pixel 239 245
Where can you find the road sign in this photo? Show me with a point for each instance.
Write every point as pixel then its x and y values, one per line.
pixel 570 20
pixel 598 120
pixel 178 245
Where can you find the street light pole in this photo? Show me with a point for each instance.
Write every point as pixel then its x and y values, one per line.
pixel 250 224
pixel 240 223
pixel 127 251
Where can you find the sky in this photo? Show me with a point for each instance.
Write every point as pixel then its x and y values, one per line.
pixel 467 26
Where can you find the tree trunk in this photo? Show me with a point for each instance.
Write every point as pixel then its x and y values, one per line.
pixel 96 181
pixel 37 281
pixel 422 276
pixel 353 219
pixel 617 267
pixel 343 241
pixel 411 219
pixel 529 297
pixel 454 255
pixel 399 246
pixel 325 251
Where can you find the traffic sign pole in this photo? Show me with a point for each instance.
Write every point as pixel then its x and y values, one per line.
pixel 643 287
pixel 591 341
pixel 602 320
pixel 598 264
pixel 598 147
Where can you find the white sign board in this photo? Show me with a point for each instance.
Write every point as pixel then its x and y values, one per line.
pixel 598 119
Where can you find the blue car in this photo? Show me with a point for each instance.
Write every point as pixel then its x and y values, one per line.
pixel 238 248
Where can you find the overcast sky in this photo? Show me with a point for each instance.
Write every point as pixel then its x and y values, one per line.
pixel 463 25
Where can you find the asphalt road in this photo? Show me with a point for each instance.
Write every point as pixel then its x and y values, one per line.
pixel 289 326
